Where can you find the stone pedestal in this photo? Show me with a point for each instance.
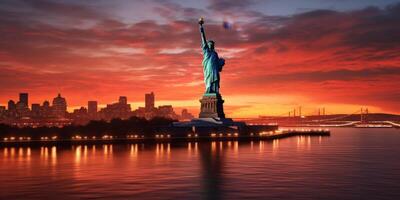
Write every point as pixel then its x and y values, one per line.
pixel 212 106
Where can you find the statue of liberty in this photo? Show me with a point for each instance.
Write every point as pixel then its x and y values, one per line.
pixel 212 64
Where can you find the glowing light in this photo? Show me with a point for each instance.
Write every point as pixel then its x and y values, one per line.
pixel 44 138
pixel 105 137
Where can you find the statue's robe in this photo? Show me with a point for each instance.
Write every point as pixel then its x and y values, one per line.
pixel 212 65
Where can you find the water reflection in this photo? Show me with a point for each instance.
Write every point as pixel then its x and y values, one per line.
pixel 261 145
pixel 192 148
pixel 28 152
pixel 12 152
pixel 163 150
pixel 5 152
pixel 107 149
pixel 93 150
pixel 53 155
pixel 44 153
pixel 305 142
pixel 207 169
pixel 134 148
pixel 212 164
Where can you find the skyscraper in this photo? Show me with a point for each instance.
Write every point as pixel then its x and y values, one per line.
pixel 59 107
pixel 149 101
pixel 23 98
pixel 11 105
pixel 92 108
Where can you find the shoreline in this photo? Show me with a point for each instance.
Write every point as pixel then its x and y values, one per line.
pixel 166 138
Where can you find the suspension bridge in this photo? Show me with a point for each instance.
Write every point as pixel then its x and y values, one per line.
pixel 360 118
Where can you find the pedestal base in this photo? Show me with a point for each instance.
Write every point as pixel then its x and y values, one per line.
pixel 212 106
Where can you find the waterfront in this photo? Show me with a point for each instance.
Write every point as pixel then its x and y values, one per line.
pixel 350 164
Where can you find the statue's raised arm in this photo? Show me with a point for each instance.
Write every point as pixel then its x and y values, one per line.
pixel 203 35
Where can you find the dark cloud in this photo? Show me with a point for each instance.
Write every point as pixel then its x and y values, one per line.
pixel 222 5
pixel 63 9
pixel 171 10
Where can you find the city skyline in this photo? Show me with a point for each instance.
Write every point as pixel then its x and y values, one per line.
pixel 341 55
pixel 22 114
pixel 99 105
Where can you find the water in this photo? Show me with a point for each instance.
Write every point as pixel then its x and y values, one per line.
pixel 350 164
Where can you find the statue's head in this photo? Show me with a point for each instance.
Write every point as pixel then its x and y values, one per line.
pixel 211 44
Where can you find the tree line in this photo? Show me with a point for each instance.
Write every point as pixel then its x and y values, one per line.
pixel 116 127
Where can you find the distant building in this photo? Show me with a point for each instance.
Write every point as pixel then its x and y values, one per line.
pixel 92 109
pixel 121 110
pixel 149 101
pixel 166 111
pixel 59 107
pixel 22 109
pixel 35 110
pixel 11 109
pixel 149 111
pixel 2 112
pixel 123 100
pixel 80 116
pixel 23 98
pixel 186 115
pixel 45 110
pixel 11 106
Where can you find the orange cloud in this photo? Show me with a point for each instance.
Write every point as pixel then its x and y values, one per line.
pixel 323 57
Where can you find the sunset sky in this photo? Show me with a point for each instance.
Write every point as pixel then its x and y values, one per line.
pixel 338 54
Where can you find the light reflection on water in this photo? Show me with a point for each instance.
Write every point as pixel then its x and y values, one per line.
pixel 351 164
